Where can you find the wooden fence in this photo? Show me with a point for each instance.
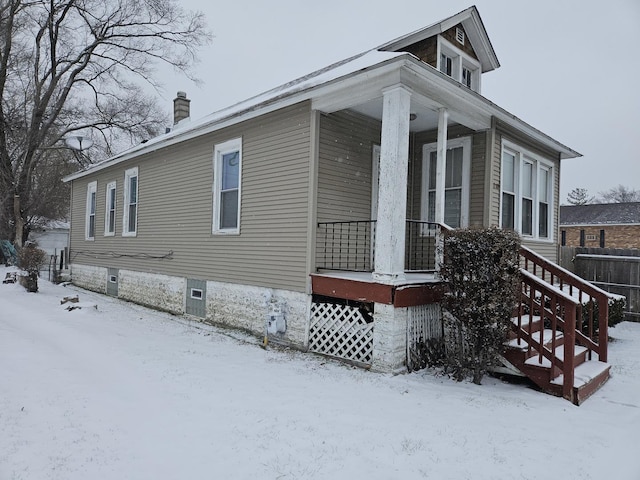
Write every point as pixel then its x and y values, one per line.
pixel 616 270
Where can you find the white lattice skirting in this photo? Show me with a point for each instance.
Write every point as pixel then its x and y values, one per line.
pixel 424 323
pixel 340 331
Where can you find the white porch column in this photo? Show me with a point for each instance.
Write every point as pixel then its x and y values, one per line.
pixel 392 185
pixel 441 162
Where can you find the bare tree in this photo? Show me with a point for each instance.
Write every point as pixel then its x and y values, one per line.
pixel 70 67
pixel 579 196
pixel 620 194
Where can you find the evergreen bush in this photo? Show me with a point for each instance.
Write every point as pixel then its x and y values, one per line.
pixel 481 268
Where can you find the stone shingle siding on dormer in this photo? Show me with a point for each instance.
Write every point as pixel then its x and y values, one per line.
pixel 450 35
pixel 426 50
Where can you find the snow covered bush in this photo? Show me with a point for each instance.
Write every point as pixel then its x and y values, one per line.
pixel 481 269
pixel 31 259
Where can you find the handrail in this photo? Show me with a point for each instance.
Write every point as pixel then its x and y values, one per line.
pixel 562 313
pixel 560 272
pixel 570 282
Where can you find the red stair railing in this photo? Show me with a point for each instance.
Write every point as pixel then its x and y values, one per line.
pixel 590 331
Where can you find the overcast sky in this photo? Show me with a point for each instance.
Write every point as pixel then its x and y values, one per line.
pixel 569 68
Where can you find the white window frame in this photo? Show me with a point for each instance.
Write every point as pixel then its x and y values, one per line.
pixel 111 187
pixel 522 156
pixel 465 143
pixel 128 175
pixel 90 210
pixel 459 59
pixel 221 149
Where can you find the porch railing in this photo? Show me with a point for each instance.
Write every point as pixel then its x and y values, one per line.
pixel 350 246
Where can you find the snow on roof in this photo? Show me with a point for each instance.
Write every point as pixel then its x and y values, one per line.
pixel 210 122
pixel 601 214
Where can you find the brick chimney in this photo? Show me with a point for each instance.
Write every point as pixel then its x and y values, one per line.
pixel 180 107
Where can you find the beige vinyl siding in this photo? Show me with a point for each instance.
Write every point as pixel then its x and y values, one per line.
pixel 344 166
pixel 477 196
pixel 345 154
pixel 175 209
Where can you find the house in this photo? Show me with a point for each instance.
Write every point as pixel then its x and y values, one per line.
pixel 606 225
pixel 52 237
pixel 312 210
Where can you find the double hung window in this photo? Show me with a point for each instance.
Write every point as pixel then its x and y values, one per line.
pixel 456 188
pixel 110 213
pixel 227 175
pixel 90 215
pixel 130 214
pixel 526 192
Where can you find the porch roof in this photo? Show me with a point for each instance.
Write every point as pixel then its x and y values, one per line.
pixel 355 82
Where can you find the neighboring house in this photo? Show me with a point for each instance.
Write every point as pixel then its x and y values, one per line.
pixel 53 237
pixel 605 225
pixel 312 210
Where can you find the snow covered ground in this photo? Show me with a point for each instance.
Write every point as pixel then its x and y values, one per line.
pixel 123 392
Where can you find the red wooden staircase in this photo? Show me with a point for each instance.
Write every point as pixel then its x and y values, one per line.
pixel 559 334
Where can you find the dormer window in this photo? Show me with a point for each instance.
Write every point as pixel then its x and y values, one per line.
pixel 446 64
pixel 467 77
pixel 457 64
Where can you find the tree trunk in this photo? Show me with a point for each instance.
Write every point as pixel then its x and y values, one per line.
pixel 19 221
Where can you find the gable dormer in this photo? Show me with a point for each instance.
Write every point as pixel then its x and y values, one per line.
pixel 457 46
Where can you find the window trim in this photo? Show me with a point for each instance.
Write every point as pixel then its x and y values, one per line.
pixel 219 150
pixel 128 175
pixel 522 156
pixel 91 201
pixel 427 148
pixel 459 59
pixel 111 186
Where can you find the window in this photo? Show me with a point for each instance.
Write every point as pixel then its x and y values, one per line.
pixel 601 238
pixel 90 220
pixel 564 238
pixel 446 64
pixel 466 77
pixel 227 172
pixel 130 214
pixel 110 213
pixel 526 192
pixel 456 190
pixel 458 65
pixel 196 293
pixel 582 238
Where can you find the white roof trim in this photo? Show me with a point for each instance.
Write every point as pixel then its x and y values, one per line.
pixel 473 26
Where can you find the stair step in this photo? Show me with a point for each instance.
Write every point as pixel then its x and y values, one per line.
pixel 547 336
pixel 535 360
pixel 585 373
pixel 526 319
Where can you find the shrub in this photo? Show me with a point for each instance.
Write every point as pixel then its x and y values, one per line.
pixel 481 269
pixel 31 259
